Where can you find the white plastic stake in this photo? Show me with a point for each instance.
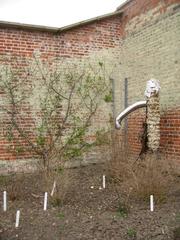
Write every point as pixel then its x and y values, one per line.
pixel 104 181
pixel 45 201
pixel 151 203
pixel 17 218
pixel 54 186
pixel 5 201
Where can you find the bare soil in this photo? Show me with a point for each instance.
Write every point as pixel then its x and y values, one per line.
pixel 88 211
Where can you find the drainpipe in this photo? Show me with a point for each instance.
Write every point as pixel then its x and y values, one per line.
pixel 125 106
pixel 128 110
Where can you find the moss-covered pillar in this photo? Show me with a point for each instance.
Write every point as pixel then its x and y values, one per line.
pixel 153 114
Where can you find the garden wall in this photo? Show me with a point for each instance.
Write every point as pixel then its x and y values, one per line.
pixel 139 41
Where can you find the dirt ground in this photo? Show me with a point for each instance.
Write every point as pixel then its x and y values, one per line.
pixel 88 212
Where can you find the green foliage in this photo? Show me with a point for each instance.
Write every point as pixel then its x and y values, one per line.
pixel 77 136
pixel 178 217
pixel 109 97
pixel 40 140
pixel 19 149
pixel 9 134
pixel 100 64
pixel 61 215
pixel 131 232
pixel 122 210
pixel 74 151
pixel 59 170
pixel 76 143
pixel 67 96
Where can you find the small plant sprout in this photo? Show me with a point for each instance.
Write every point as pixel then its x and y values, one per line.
pixel 122 210
pixel 61 215
pixel 17 218
pixel 4 201
pixel 151 203
pixel 104 181
pixel 177 217
pixel 45 201
pixel 131 232
pixel 53 189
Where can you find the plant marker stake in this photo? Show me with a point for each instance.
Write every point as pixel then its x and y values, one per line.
pixel 54 186
pixel 17 218
pixel 151 203
pixel 45 201
pixel 5 201
pixel 104 181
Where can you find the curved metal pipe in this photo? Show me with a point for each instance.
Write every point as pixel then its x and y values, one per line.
pixel 128 110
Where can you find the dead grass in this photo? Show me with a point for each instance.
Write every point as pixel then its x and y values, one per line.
pixel 138 178
pixel 62 179
pixel 14 187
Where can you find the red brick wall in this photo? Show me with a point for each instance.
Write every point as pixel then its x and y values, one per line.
pixel 76 42
pixel 135 130
pixel 80 42
pixel 170 132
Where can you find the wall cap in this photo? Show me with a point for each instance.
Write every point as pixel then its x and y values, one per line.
pixel 23 26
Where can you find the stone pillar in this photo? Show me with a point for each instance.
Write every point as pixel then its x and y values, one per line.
pixel 153 114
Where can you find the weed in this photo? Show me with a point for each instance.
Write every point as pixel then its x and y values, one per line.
pixel 178 217
pixel 122 210
pixel 3 180
pixel 61 215
pixel 131 232
pixel 109 97
pixel 56 201
pixel 61 227
pixel 177 233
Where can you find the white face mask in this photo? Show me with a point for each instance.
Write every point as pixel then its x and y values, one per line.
pixel 152 87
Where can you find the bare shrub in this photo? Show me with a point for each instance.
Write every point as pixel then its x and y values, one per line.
pixel 62 180
pixel 138 177
pixel 152 175
pixel 120 162
pixel 15 187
